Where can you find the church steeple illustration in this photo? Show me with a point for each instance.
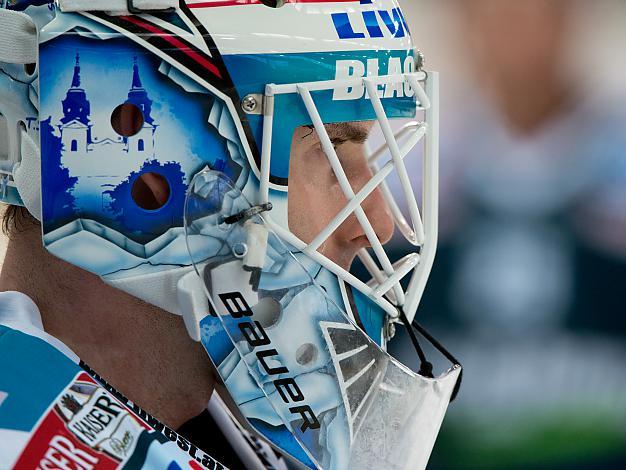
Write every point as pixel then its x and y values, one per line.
pixel 84 141
pixel 76 106
pixel 75 124
pixel 139 96
pixel 76 78
pixel 136 78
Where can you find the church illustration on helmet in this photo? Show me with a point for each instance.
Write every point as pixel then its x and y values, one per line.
pixel 92 157
pixel 83 146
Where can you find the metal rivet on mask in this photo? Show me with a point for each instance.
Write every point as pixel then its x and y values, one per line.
pixel 390 329
pixel 240 250
pixel 306 354
pixel 251 104
pixel 420 60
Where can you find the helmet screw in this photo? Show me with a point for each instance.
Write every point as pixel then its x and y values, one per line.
pixel 420 60
pixel 390 329
pixel 250 104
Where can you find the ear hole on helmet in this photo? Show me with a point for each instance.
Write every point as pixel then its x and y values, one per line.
pixel 273 3
pixel 30 68
pixel 150 191
pixel 127 119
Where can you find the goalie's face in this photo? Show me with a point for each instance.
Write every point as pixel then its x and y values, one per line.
pixel 315 196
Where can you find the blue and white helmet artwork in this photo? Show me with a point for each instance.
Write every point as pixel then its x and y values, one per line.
pixel 250 165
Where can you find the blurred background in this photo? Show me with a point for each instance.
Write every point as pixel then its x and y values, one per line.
pixel 529 286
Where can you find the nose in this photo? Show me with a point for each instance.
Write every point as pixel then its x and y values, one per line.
pixel 379 215
pixel 374 206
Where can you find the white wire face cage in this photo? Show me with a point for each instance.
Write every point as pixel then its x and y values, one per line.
pixel 418 227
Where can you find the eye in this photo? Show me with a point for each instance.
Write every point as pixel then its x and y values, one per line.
pixel 338 143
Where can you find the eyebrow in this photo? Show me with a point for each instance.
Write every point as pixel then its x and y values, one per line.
pixel 342 132
pixel 346 132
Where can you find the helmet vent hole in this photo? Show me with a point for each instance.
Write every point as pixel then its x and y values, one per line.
pixel 150 191
pixel 127 119
pixel 273 3
pixel 268 312
pixel 30 69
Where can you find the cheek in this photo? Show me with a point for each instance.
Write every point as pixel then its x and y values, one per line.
pixel 304 197
pixel 315 197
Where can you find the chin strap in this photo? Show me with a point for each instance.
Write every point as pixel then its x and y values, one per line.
pixel 27 175
pixel 22 168
pixel 18 38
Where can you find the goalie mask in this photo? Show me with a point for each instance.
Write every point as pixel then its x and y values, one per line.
pixel 227 161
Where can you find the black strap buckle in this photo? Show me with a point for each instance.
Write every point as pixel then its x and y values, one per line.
pixel 248 213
